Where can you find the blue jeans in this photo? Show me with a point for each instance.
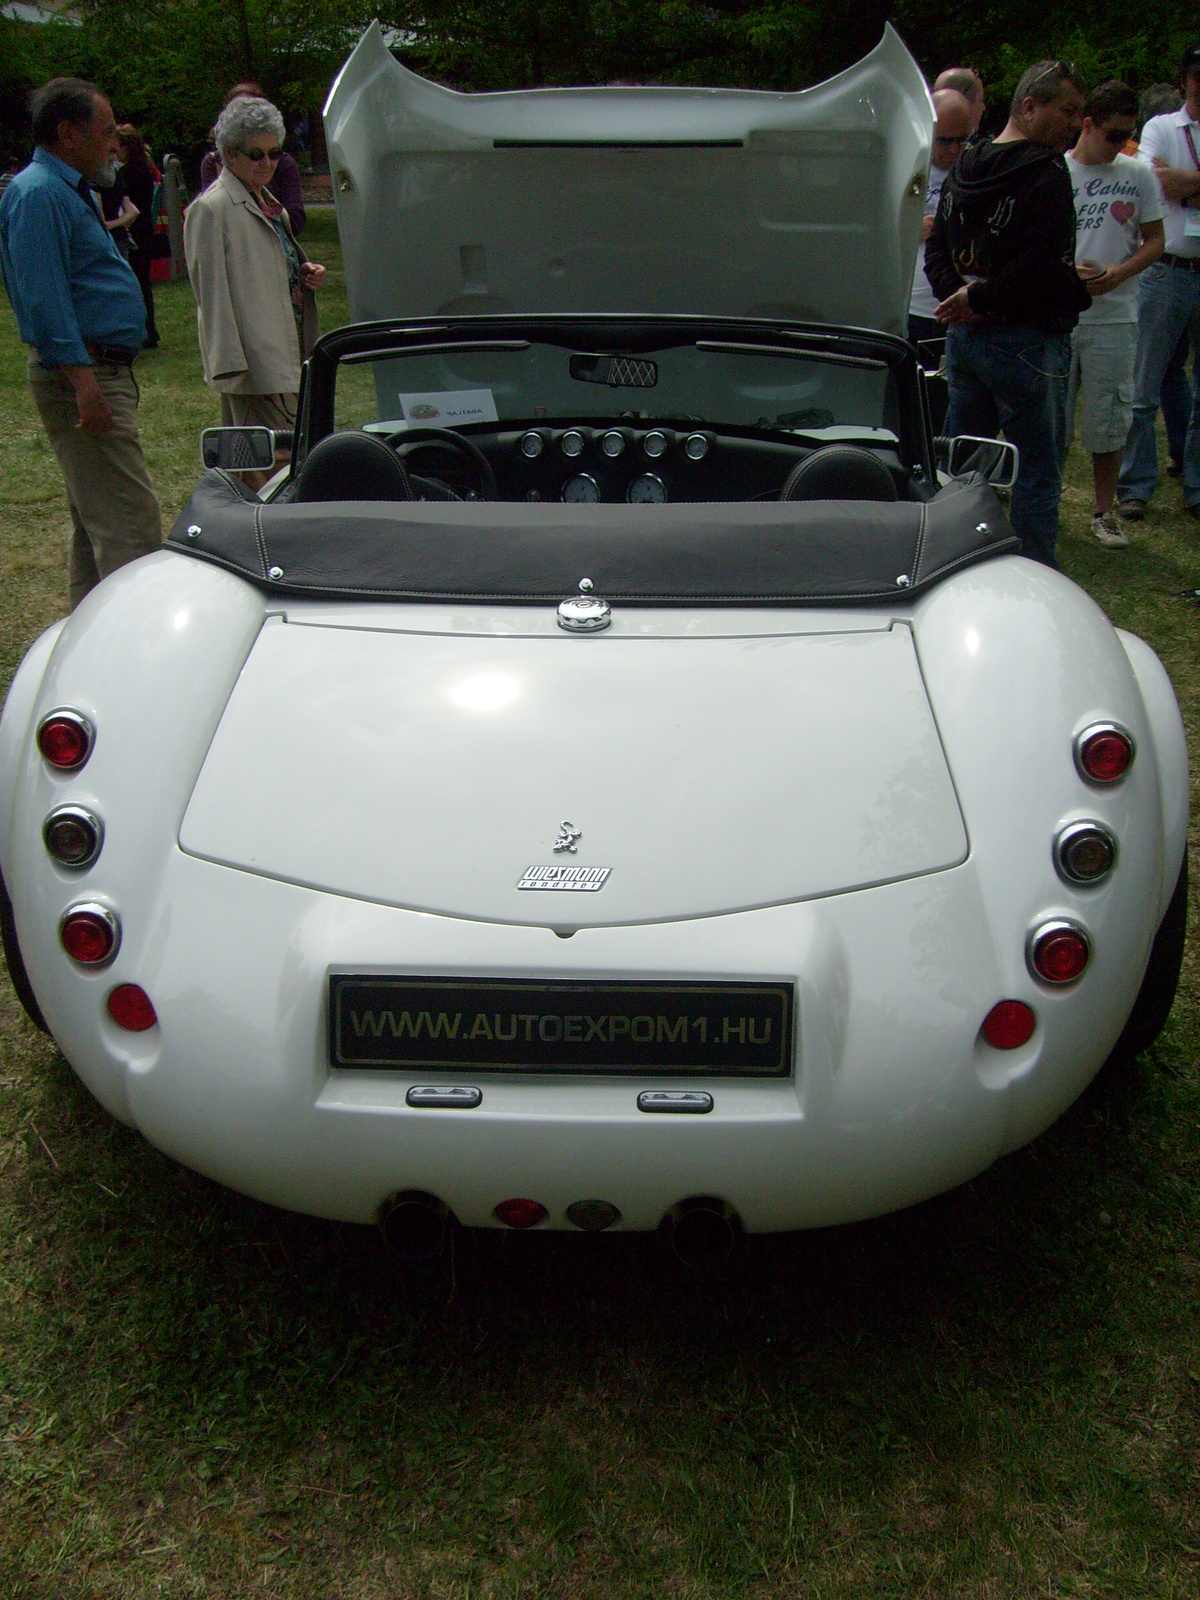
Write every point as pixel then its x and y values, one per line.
pixel 1168 300
pixel 1016 379
pixel 1176 400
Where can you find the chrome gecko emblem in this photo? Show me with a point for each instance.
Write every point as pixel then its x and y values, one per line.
pixel 567 835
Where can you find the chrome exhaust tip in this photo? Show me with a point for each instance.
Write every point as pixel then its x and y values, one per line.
pixel 415 1226
pixel 702 1231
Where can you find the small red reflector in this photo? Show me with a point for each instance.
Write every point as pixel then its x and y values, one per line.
pixel 130 1008
pixel 1105 756
pixel 88 936
pixel 521 1213
pixel 65 741
pixel 1009 1025
pixel 1060 954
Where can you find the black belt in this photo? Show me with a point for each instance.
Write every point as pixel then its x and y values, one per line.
pixel 1188 263
pixel 113 355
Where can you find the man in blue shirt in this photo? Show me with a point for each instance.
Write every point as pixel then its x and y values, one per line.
pixel 80 310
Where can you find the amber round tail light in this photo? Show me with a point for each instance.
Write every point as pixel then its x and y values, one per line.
pixel 1104 753
pixel 1059 952
pixel 1084 853
pixel 73 836
pixel 65 738
pixel 90 934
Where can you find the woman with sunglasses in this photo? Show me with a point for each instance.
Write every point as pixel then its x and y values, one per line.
pixel 253 284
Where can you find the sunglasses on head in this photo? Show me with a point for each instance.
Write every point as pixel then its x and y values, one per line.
pixel 263 155
pixel 1067 68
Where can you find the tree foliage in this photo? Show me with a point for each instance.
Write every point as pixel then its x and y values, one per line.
pixel 167 65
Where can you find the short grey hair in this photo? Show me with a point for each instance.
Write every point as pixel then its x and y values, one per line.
pixel 242 119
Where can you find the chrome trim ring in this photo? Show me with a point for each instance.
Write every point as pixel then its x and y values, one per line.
pixel 84 817
pixel 696 446
pixel 582 478
pixel 1072 834
pixel 613 444
pixel 572 443
pixel 655 444
pixel 1090 732
pixel 1039 932
pixel 532 445
pixel 652 499
pixel 68 714
pixel 95 909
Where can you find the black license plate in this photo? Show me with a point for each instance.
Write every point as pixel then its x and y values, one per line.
pixel 734 1030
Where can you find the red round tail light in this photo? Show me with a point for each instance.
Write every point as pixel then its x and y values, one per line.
pixel 65 739
pixel 1104 753
pixel 1009 1025
pixel 521 1213
pixel 130 1008
pixel 1059 952
pixel 90 934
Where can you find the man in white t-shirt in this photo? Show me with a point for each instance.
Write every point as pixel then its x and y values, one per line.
pixel 951 132
pixel 1169 297
pixel 1119 232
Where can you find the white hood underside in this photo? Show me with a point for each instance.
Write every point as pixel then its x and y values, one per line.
pixel 715 202
pixel 709 775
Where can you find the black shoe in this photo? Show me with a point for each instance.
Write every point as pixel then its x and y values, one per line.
pixel 152 344
pixel 1175 470
pixel 1131 510
pixel 1193 512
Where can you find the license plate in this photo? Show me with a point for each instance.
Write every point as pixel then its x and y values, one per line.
pixel 733 1030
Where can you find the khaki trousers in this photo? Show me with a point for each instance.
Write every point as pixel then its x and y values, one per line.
pixel 114 513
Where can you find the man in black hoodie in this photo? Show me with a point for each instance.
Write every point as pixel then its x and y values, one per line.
pixel 1001 259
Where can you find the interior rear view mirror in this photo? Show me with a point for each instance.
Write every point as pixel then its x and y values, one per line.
pixel 618 372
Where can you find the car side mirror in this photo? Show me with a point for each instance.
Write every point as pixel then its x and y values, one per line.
pixel 242 449
pixel 997 459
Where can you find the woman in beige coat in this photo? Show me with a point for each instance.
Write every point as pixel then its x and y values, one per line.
pixel 253 283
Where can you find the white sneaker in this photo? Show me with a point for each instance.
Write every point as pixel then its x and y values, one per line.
pixel 1107 530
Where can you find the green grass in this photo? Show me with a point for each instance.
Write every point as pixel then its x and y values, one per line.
pixel 994 1394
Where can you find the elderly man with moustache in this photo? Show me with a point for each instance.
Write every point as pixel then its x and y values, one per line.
pixel 1168 298
pixel 1001 258
pixel 951 132
pixel 79 309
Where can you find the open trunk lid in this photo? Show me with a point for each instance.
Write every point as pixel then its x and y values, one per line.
pixel 708 775
pixel 718 202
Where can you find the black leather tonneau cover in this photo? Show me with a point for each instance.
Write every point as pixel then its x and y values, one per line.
pixel 714 553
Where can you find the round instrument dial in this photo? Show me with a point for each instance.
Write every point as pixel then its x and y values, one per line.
pixel 572 443
pixel 581 490
pixel 655 444
pixel 696 446
pixel 532 445
pixel 647 489
pixel 613 443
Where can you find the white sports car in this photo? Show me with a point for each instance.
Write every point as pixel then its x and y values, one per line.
pixel 613 776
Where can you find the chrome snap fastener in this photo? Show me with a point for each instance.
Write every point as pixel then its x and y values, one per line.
pixel 584 614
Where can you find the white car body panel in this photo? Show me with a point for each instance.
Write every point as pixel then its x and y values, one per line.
pixel 894 1095
pixel 727 202
pixel 709 775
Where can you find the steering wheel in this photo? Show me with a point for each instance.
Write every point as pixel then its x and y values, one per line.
pixel 404 440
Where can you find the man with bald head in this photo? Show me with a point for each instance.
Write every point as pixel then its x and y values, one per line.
pixel 967 82
pixel 950 134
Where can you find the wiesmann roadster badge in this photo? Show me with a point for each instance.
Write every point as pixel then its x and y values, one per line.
pixel 579 880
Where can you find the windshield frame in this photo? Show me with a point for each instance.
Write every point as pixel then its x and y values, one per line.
pixel 628 334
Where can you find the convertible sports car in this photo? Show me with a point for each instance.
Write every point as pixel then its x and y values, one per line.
pixel 613 775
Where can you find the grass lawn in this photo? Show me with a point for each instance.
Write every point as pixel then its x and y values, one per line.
pixel 994 1394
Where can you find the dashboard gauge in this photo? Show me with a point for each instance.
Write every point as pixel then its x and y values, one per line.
pixel 572 443
pixel 613 443
pixel 581 490
pixel 647 489
pixel 532 445
pixel 655 444
pixel 696 446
